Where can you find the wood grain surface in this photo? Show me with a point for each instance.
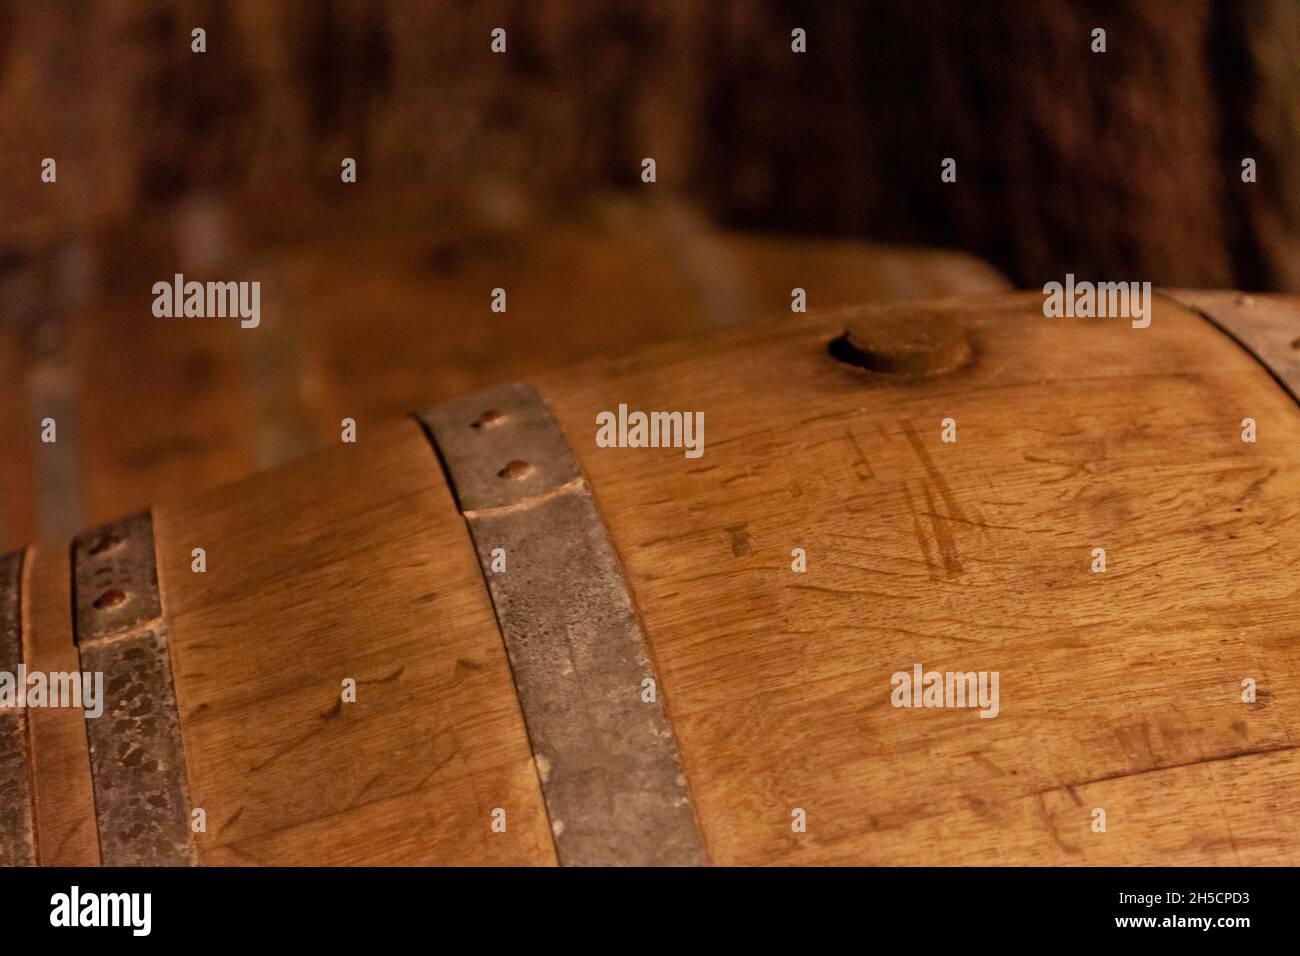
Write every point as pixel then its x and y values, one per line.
pixel 352 563
pixel 1119 690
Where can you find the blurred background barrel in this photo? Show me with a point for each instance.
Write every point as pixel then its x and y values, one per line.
pixel 363 321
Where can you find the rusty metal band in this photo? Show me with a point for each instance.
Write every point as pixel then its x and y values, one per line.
pixel 604 749
pixel 17 830
pixel 137 759
pixel 1268 327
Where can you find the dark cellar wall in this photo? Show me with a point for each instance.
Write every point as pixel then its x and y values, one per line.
pixel 1124 164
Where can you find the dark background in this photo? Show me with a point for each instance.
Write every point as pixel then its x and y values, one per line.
pixel 1125 163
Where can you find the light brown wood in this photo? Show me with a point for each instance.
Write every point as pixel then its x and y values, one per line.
pixel 60 754
pixel 1119 690
pixel 353 563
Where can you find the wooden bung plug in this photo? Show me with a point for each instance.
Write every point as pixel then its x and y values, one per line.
pixel 899 343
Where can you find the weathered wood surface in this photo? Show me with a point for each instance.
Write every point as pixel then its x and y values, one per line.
pixel 353 563
pixel 1119 691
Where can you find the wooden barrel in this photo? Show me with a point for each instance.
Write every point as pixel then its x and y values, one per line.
pixel 964 585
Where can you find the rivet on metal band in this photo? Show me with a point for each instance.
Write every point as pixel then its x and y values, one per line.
pixel 17 831
pixel 1268 327
pixel 605 753
pixel 137 758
